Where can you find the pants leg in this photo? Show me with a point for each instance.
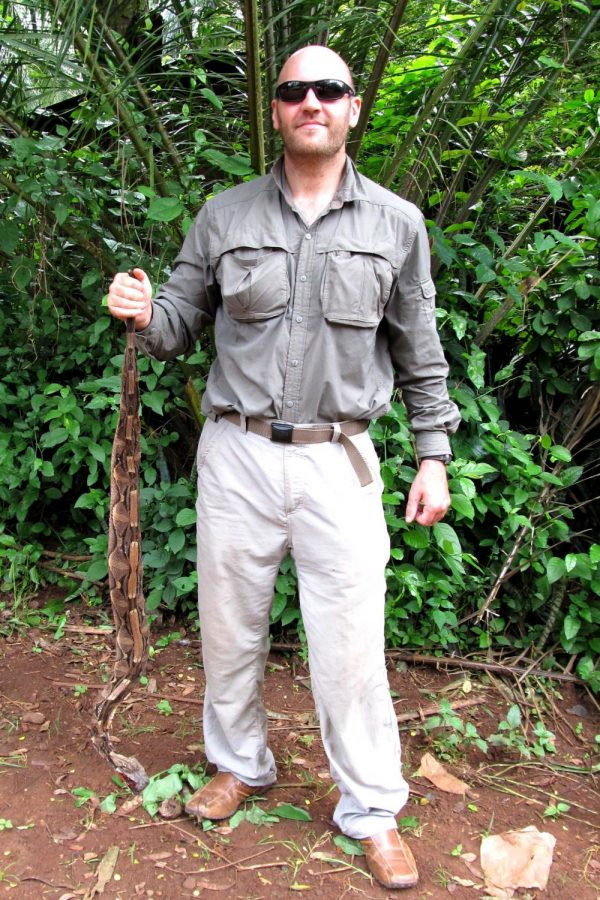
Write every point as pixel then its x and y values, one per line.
pixel 241 542
pixel 341 546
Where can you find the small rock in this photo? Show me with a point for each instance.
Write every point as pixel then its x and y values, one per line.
pixel 33 718
pixel 579 710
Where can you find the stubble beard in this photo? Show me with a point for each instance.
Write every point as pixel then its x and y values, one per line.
pixel 296 146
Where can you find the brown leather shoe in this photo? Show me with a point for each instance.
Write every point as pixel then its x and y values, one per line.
pixel 220 798
pixel 390 860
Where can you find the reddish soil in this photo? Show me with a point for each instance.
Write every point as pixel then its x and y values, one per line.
pixel 51 848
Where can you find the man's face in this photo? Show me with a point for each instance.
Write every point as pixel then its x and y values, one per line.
pixel 313 129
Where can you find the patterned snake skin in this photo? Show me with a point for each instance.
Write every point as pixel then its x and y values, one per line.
pixel 125 571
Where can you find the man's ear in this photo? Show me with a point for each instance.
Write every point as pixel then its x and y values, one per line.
pixel 274 115
pixel 355 105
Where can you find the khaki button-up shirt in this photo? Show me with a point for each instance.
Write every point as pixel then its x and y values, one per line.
pixel 311 321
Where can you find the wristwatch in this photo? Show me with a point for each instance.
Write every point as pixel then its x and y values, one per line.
pixel 441 457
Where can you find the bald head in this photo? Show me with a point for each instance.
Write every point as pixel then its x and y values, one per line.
pixel 313 63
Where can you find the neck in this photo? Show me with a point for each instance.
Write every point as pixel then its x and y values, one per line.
pixel 313 182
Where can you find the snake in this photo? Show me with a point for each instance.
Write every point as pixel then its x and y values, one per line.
pixel 124 572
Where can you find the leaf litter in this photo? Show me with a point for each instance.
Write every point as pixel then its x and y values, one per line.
pixel 431 830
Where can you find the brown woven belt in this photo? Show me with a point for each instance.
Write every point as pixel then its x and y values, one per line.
pixel 286 433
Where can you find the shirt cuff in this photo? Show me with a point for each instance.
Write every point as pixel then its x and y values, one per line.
pixel 144 337
pixel 432 443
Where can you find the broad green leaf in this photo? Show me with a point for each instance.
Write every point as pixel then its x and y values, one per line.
pixel 9 236
pixel 571 626
pixel 160 788
pixel 155 400
pixel 97 570
pixel 288 811
pixel 23 270
pixel 185 584
pixel 556 569
pixel 349 846
pixel 279 604
pixel 462 505
pixel 570 562
pixel 484 274
pixel 417 537
pixel 560 453
pixel 233 165
pixel 176 540
pixel 165 209
pixel 513 716
pixel 447 538
pixel 257 816
pixel 54 437
pixel 109 804
pixel 185 517
pixel 212 97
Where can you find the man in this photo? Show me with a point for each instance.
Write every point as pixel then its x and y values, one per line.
pixel 318 285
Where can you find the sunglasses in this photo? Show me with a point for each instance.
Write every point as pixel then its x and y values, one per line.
pixel 326 90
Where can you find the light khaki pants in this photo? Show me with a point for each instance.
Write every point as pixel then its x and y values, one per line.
pixel 257 500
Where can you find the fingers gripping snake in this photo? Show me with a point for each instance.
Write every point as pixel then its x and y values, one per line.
pixel 124 571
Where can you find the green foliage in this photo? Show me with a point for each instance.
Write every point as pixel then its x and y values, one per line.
pixel 179 781
pixel 484 117
pixel 453 736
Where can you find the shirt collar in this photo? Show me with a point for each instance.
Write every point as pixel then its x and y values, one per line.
pixel 350 187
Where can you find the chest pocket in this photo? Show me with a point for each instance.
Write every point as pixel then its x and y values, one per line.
pixel 254 283
pixel 356 287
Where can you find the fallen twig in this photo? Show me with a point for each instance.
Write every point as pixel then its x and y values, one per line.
pixel 236 863
pixel 93 686
pixel 491 781
pixel 76 576
pixel 53 554
pixel 461 663
pixel 482 666
pixel 436 708
pixel 52 884
pixel 88 629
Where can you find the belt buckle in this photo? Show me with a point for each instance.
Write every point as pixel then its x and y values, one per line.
pixel 281 432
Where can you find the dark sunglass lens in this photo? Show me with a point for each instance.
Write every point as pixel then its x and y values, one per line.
pixel 292 91
pixel 329 89
pixel 325 89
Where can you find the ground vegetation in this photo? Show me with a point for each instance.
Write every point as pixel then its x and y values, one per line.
pixel 118 119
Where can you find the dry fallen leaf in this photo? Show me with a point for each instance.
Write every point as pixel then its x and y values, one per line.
pixel 517 859
pixel 435 772
pixel 464 882
pixel 130 805
pixel 104 872
pixel 205 885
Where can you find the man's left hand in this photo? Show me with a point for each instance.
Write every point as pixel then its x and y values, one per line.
pixel 428 499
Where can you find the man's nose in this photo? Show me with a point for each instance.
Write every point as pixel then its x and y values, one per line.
pixel 311 101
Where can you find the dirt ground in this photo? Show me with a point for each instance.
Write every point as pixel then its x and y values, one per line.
pixel 59 833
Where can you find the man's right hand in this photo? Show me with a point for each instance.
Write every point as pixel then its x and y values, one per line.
pixel 130 297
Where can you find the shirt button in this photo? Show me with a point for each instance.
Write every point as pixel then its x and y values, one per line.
pixel 303 278
pixel 294 362
pixel 308 236
pixel 298 318
pixel 290 403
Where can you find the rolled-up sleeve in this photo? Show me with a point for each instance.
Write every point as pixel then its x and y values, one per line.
pixel 420 366
pixel 186 303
